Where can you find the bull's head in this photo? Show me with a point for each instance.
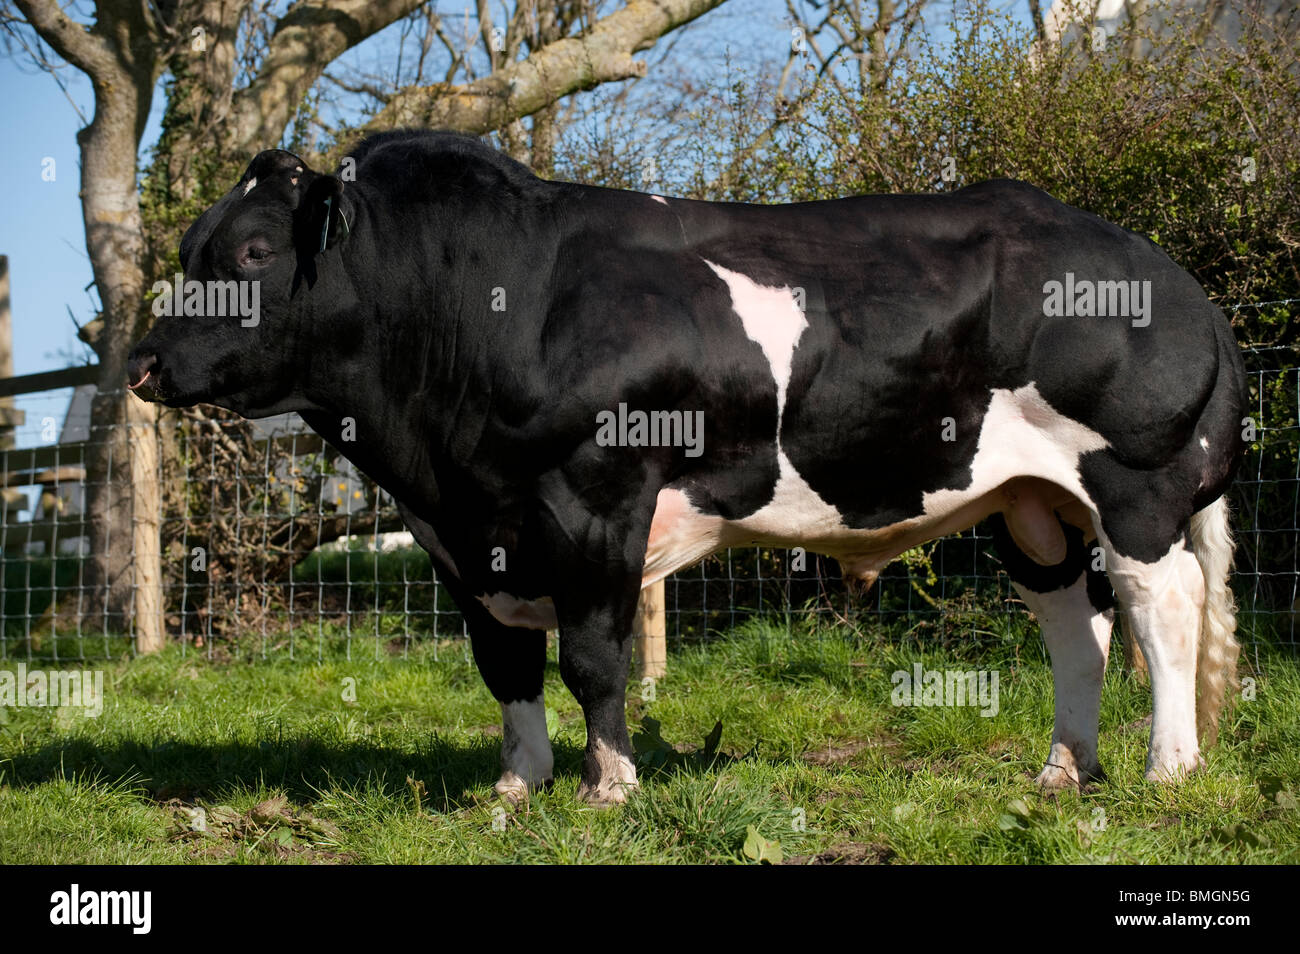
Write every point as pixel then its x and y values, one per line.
pixel 236 329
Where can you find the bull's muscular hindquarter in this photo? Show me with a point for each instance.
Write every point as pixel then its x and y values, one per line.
pixel 868 373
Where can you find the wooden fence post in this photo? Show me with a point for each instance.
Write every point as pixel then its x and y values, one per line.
pixel 146 511
pixel 651 633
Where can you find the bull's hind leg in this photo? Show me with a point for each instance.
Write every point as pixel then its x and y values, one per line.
pixel 1075 610
pixel 1163 601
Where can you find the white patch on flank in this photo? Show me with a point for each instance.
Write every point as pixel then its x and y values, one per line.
pixel 526 614
pixel 772 319
pixel 1021 436
pixel 526 760
pixel 1205 445
pixel 249 187
pixel 679 534
pixel 659 198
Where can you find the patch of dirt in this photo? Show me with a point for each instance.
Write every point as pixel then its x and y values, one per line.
pixel 170 794
pixel 273 827
pixel 1165 821
pixel 843 752
pixel 934 766
pixel 1143 724
pixel 848 853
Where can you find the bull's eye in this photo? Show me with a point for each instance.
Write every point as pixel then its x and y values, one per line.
pixel 255 255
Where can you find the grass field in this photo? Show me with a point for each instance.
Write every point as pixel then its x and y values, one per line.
pixel 232 759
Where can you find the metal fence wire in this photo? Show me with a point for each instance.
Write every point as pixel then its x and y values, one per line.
pixel 273 544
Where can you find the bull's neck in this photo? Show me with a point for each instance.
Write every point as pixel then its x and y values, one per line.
pixel 410 372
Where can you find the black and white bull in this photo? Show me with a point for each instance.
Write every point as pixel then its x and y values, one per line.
pixel 867 374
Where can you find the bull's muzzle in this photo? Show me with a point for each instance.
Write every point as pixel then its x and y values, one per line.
pixel 142 374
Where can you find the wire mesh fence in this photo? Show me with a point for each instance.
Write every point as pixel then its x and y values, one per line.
pixel 273 544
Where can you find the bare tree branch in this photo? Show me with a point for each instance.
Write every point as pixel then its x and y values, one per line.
pixel 603 55
pixel 75 42
pixel 310 36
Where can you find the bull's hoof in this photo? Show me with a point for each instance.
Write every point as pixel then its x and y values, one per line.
pixel 1057 778
pixel 1169 771
pixel 515 789
pixel 606 795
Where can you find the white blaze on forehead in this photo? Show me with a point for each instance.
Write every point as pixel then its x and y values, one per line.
pixel 772 318
pixel 249 186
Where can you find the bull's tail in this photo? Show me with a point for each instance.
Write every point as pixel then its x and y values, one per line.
pixel 1217 648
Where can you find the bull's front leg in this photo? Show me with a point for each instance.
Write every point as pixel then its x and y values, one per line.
pixel 512 662
pixel 595 654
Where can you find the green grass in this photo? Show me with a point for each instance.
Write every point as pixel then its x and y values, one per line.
pixel 284 769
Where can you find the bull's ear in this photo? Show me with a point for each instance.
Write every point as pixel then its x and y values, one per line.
pixel 321 221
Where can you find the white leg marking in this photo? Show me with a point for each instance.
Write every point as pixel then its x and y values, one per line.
pixel 617 777
pixel 1162 602
pixel 526 760
pixel 1078 638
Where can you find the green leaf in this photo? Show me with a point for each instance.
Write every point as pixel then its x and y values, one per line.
pixel 1237 834
pixel 1277 790
pixel 1018 816
pixel 552 722
pixel 904 810
pixel 759 849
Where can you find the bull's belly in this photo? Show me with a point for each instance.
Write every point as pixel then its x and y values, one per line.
pixel 1026 467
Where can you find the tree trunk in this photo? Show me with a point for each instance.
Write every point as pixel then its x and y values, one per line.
pixel 121 461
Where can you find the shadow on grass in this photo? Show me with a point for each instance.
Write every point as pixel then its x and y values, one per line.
pixel 454 773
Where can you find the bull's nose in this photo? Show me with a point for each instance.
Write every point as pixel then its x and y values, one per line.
pixel 138 369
